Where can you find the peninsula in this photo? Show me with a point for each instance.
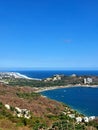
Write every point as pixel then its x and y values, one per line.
pixel 56 81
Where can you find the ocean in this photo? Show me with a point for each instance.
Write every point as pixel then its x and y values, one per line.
pixel 82 99
pixel 41 74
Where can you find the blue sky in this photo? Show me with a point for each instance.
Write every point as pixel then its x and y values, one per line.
pixel 49 34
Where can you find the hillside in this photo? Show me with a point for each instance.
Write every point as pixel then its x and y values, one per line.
pixel 23 109
pixel 24 97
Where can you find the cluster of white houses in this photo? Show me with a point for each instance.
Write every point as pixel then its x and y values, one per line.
pixel 20 112
pixel 70 113
pixel 79 118
pixel 82 119
pixel 54 78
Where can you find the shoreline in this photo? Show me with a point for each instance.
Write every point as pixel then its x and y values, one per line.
pixel 26 77
pixel 42 89
pixel 68 86
pixel 17 75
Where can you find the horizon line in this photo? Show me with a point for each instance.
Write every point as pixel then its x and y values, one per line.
pixel 48 68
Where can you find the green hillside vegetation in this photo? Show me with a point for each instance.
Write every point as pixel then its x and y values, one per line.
pixel 45 114
pixel 65 80
pixel 31 95
pixel 61 122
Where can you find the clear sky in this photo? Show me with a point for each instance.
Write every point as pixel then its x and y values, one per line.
pixel 49 33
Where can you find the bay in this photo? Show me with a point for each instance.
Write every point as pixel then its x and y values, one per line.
pixel 82 99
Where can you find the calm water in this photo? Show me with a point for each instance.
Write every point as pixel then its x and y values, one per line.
pixel 85 100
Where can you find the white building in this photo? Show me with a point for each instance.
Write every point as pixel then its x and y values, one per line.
pixel 79 119
pixel 48 79
pixel 88 80
pixel 71 116
pixel 85 81
pixel 86 119
pixel 91 118
pixel 18 109
pixel 55 78
pixel 7 106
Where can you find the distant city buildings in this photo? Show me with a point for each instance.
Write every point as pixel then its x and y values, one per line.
pixel 88 80
pixel 54 78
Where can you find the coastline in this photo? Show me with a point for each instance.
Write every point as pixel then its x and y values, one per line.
pixel 70 86
pixel 26 77
pixel 42 89
pixel 16 75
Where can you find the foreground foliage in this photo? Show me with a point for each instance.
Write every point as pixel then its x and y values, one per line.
pixel 61 122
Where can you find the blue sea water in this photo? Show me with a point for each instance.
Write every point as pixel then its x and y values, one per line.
pixel 83 99
pixel 41 74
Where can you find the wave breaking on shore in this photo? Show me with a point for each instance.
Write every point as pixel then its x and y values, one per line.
pixel 16 75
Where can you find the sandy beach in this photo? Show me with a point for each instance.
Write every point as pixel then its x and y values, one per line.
pixel 42 89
